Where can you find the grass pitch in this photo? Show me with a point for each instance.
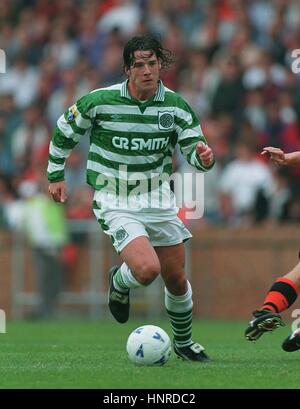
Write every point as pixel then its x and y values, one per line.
pixel 78 354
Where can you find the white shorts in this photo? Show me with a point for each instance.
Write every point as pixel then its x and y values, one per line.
pixel 161 229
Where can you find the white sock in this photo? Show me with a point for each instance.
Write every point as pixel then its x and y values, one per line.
pixel 124 279
pixel 180 311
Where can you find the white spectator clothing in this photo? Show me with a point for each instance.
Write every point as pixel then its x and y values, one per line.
pixel 22 84
pixel 25 137
pixel 242 180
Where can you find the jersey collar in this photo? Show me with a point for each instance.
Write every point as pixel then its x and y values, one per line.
pixel 159 96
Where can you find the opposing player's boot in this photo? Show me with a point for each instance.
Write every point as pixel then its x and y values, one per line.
pixel 292 342
pixel 118 301
pixel 263 321
pixel 194 352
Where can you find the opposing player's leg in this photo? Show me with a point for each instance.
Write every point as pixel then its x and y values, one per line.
pixel 292 342
pixel 281 296
pixel 140 267
pixel 262 321
pixel 178 302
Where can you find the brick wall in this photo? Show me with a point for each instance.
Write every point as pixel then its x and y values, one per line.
pixel 231 270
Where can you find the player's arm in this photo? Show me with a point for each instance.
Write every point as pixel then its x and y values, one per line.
pixel 191 140
pixel 280 158
pixel 71 126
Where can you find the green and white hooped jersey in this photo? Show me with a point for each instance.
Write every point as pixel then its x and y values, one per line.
pixel 131 142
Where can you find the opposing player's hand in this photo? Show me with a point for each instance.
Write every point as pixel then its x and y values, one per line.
pixel 58 191
pixel 276 155
pixel 205 153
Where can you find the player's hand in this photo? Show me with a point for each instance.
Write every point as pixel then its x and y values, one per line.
pixel 58 191
pixel 205 153
pixel 276 155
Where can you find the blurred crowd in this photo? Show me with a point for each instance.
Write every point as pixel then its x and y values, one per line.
pixel 233 64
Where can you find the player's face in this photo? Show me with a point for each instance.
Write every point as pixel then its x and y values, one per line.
pixel 143 74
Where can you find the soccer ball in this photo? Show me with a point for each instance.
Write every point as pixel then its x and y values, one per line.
pixel 149 345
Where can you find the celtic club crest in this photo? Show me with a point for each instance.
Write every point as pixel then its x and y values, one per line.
pixel 121 234
pixel 165 120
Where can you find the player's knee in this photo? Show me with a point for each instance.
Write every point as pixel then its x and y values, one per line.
pixel 147 273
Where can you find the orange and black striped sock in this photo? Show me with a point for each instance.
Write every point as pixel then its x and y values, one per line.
pixel 281 296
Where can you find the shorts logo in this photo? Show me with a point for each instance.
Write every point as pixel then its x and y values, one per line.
pixel 121 234
pixel 165 120
pixel 73 112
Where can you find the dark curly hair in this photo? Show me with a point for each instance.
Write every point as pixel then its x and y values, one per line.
pixel 146 42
